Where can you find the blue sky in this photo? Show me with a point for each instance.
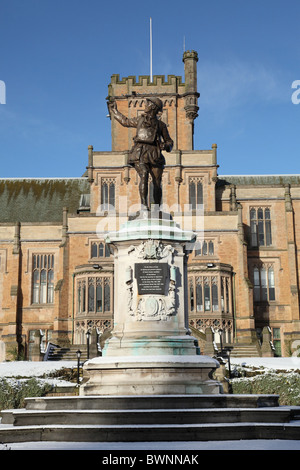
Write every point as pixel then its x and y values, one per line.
pixel 57 57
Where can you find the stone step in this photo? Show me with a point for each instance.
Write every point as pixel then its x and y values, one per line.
pixel 244 351
pixel 151 402
pixel 150 418
pixel 150 433
pixel 68 354
pixel 144 417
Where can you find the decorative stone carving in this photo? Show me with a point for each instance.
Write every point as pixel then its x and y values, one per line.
pixel 152 249
pixel 154 307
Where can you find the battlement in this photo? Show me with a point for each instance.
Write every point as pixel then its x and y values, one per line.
pixel 179 97
pixel 142 80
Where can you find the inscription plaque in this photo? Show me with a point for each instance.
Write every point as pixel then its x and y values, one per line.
pixel 151 277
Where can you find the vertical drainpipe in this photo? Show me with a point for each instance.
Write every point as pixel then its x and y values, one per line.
pixel 178 177
pixel 73 312
pixel 17 251
pixel 234 308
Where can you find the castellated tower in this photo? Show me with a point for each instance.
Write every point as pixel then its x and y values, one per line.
pixel 180 103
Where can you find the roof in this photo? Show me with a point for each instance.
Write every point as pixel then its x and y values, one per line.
pixel 254 180
pixel 39 199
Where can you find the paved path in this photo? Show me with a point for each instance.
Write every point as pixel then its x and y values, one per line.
pixel 163 446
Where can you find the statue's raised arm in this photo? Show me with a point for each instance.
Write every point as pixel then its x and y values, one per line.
pixel 125 121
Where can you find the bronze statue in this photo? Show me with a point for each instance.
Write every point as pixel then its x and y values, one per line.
pixel 151 138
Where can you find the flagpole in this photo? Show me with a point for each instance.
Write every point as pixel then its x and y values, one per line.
pixel 151 49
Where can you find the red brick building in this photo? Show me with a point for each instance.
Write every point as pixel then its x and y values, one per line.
pixel 57 273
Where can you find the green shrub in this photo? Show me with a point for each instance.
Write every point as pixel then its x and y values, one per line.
pixel 286 385
pixel 65 373
pixel 13 392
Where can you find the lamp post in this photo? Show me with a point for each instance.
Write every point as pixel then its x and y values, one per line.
pixel 88 334
pixel 221 340
pixel 228 350
pixel 78 353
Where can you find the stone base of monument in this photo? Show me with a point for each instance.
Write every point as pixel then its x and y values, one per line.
pixel 155 346
pixel 150 352
pixel 150 375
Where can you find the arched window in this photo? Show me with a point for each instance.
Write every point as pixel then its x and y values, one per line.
pixel 260 227
pixel 268 227
pixel 214 291
pixel 94 250
pixel 43 279
pixel 263 284
pixel 192 195
pixel 104 196
pixel 108 193
pixel 106 299
pixel 256 284
pixel 210 293
pixel 79 297
pixel 43 291
pixel 191 296
pixel 198 250
pixel 36 287
pixel 195 193
pixel 271 283
pixel 106 251
pixel 50 287
pixel 99 294
pixel 206 296
pixel 204 248
pixel 227 297
pixel 199 295
pixel 83 297
pixel 100 250
pixel 99 306
pixel 91 296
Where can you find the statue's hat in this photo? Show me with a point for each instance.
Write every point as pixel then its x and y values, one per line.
pixel 156 101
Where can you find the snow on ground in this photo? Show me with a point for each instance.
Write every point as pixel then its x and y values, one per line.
pixel 28 369
pixel 275 363
pixel 32 369
pixel 134 447
pixel 38 369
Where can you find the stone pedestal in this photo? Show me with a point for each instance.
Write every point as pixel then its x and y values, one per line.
pixel 151 350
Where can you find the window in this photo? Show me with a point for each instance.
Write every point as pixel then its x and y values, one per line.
pixel 210 293
pixel 43 279
pixel 204 295
pixel 108 189
pixel 99 250
pixel 276 341
pixel 225 294
pixel 260 227
pixel 94 295
pixel 195 192
pixel 205 248
pixel 263 284
pixel 84 203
